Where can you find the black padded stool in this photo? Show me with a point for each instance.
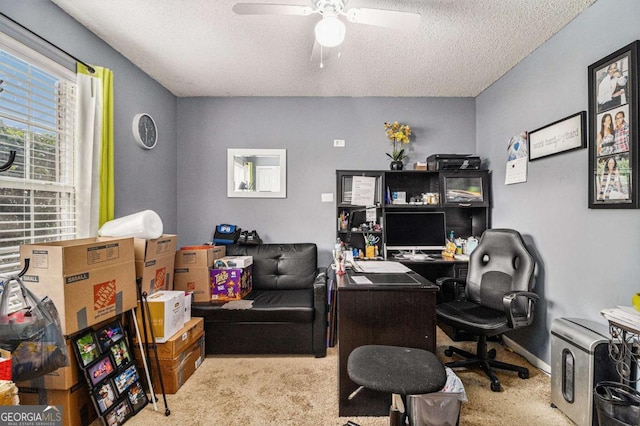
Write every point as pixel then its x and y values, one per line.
pixel 396 370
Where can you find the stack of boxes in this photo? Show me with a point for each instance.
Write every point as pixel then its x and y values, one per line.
pixel 89 280
pixel 93 280
pixel 179 356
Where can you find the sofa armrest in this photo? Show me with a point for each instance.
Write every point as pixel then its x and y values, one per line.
pixel 320 318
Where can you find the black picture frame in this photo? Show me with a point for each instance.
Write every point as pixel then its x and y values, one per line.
pixel 120 354
pixel 109 334
pixel 613 130
pixel 137 397
pixel 86 348
pixel 126 378
pixel 105 396
pixel 119 413
pixel 102 368
pixel 565 135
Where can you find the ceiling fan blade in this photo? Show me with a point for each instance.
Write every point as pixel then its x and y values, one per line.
pixel 385 18
pixel 271 9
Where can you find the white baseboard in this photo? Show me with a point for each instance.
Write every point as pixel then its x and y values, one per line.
pixel 535 361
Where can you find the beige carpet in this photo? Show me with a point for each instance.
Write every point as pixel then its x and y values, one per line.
pixel 302 390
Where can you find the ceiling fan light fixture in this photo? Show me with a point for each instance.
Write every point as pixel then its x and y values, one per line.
pixel 330 31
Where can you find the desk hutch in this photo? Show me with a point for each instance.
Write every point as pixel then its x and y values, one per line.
pixel 465 215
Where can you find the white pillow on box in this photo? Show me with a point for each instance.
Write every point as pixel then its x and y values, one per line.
pixel 237 261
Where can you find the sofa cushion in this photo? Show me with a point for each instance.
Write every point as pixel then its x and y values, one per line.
pixel 280 266
pixel 268 306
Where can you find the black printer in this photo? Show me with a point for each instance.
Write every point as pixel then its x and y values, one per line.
pixel 453 162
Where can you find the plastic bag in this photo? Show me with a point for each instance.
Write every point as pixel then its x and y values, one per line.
pixel 145 224
pixel 31 332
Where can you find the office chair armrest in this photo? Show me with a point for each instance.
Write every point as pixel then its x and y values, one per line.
pixel 519 314
pixel 452 288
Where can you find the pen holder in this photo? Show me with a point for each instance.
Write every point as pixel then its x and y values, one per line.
pixel 370 252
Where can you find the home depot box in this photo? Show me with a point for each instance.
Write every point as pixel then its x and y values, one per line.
pixel 154 262
pixel 191 271
pixel 61 379
pixel 76 405
pixel 231 283
pixel 166 309
pixel 177 343
pixel 176 371
pixel 89 280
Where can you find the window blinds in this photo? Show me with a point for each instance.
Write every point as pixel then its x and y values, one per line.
pixel 37 112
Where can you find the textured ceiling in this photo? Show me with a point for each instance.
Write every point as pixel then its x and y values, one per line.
pixel 202 48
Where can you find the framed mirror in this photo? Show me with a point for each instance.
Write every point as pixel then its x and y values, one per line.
pixel 257 173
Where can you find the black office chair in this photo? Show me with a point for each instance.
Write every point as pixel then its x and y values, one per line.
pixel 495 298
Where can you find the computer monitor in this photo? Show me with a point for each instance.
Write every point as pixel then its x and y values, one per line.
pixel 415 231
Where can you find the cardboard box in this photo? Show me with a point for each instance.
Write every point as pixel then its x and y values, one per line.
pixel 231 283
pixel 166 309
pixel 418 165
pixel 237 261
pixel 177 343
pixel 191 271
pixel 155 262
pixel 89 280
pixel 61 379
pixel 176 371
pixel 76 404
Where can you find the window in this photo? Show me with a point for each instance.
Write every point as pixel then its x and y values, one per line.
pixel 37 113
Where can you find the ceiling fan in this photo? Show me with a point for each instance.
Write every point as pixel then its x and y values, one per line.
pixel 330 30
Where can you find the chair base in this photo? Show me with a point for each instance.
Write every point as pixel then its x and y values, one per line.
pixel 485 360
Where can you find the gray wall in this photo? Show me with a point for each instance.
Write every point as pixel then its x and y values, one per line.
pixel 143 179
pixel 306 128
pixel 587 258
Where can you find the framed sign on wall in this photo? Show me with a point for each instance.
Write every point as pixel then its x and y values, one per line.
pixel 613 130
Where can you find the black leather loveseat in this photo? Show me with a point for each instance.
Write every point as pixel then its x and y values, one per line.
pixel 289 312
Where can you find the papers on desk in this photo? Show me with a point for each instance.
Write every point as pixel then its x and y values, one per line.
pixel 623 315
pixel 380 266
pixel 360 279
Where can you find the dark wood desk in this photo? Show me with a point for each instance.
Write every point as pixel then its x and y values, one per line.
pixel 399 314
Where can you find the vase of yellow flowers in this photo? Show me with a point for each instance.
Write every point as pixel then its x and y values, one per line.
pixel 398 134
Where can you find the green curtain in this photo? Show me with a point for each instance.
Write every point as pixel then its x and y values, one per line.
pixel 107 190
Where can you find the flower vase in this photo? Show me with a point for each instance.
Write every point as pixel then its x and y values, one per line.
pixel 396 165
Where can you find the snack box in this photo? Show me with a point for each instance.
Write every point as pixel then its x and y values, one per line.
pixel 231 283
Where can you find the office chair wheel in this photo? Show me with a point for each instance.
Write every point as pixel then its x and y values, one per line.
pixel 491 354
pixel 448 352
pixel 523 375
pixel 495 386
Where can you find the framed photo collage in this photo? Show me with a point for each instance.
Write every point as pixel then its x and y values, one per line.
pixel 613 124
pixel 107 362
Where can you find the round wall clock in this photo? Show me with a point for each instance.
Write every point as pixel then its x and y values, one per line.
pixel 145 131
